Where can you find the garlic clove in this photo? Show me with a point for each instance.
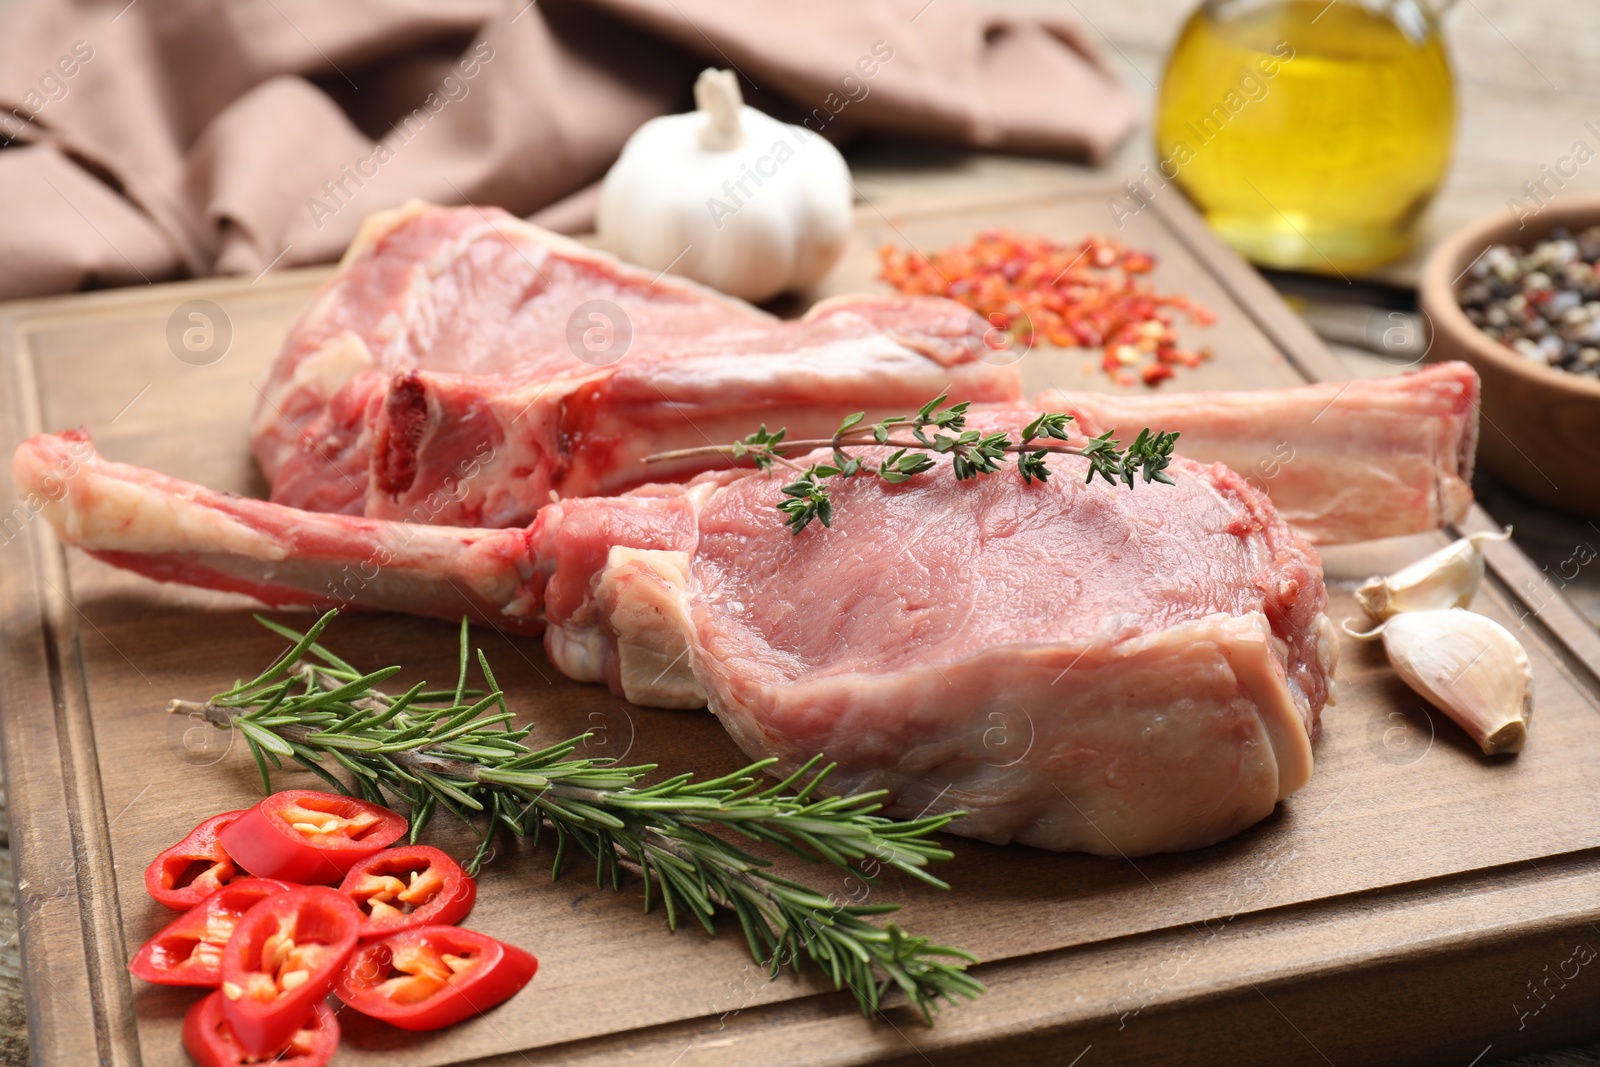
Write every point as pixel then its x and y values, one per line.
pixel 1471 668
pixel 1443 579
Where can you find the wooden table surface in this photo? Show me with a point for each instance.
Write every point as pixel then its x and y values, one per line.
pixel 1528 81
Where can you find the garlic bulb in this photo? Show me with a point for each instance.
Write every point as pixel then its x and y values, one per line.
pixel 1469 667
pixel 1443 579
pixel 728 196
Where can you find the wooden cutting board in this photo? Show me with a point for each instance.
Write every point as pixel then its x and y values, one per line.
pixel 1417 902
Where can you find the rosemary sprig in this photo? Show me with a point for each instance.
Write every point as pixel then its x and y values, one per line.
pixel 457 750
pixel 972 453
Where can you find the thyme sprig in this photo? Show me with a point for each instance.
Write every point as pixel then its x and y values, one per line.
pixel 457 750
pixel 972 453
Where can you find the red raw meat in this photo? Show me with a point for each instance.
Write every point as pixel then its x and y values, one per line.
pixel 442 377
pixel 464 365
pixel 1077 666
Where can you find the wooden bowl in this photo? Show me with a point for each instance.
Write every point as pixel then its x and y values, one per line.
pixel 1540 427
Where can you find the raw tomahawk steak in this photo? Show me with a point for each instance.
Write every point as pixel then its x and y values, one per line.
pixel 463 340
pixel 1155 659
pixel 462 365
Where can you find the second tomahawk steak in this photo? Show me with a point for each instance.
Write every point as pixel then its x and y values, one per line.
pixel 462 366
pixel 457 341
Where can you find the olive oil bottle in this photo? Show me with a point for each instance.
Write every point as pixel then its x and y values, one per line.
pixel 1311 134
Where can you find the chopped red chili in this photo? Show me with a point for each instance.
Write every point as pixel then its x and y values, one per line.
pixel 308 837
pixel 210 1040
pixel 282 958
pixel 188 951
pixel 1087 295
pixel 188 872
pixel 433 976
pixel 407 886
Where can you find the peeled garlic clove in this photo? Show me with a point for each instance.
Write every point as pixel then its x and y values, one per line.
pixel 1469 667
pixel 1443 579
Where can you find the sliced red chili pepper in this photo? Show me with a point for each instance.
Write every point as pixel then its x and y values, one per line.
pixel 308 837
pixel 282 958
pixel 195 867
pixel 432 976
pixel 188 951
pixel 408 886
pixel 209 1038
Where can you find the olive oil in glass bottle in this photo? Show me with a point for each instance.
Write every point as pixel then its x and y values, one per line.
pixel 1311 134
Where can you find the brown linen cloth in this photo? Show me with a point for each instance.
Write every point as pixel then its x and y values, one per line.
pixel 160 138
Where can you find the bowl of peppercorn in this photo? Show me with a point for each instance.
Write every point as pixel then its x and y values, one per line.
pixel 1519 299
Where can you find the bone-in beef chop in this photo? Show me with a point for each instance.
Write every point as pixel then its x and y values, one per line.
pixel 462 365
pixel 463 339
pixel 1076 666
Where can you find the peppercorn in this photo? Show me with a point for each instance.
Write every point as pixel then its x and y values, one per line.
pixel 1542 303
